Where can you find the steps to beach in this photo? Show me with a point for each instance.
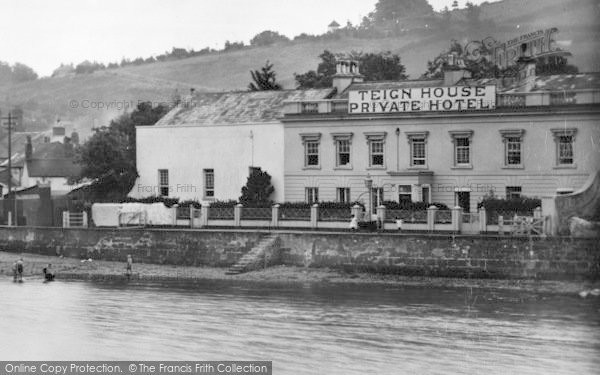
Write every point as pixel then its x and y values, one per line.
pixel 255 257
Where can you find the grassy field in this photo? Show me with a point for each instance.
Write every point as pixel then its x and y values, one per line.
pixel 46 99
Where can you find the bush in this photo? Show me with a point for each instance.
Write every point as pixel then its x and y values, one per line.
pixel 169 202
pixel 189 203
pixel 295 205
pixel 522 204
pixel 340 205
pixel 412 206
pixel 223 204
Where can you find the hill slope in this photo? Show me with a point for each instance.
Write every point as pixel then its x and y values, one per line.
pixel 46 99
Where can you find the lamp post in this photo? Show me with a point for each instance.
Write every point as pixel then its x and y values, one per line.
pixel 369 186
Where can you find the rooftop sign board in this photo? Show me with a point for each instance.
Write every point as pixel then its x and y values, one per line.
pixel 535 44
pixel 422 99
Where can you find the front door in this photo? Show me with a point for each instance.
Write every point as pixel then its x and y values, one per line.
pixel 464 200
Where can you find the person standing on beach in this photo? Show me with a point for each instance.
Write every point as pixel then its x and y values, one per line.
pixel 14 269
pixel 129 265
pixel 20 269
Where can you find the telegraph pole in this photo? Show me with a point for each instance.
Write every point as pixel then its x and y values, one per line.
pixel 9 125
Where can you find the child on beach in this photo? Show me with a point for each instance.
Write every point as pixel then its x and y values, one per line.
pixel 353 223
pixel 48 274
pixel 14 269
pixel 19 269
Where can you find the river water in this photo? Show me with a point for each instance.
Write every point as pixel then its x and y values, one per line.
pixel 304 330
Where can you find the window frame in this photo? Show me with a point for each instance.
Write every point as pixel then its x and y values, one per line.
pixel 514 192
pixel 206 173
pixel 346 193
pixel 558 134
pixel 507 135
pixel 373 138
pixel 420 137
pixel 309 139
pixel 457 135
pixel 162 184
pixel 338 138
pixel 311 194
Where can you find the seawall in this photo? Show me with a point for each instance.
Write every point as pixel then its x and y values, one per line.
pixel 472 256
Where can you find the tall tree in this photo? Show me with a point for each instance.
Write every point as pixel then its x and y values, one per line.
pixel 374 66
pixel 264 79
pixel 387 10
pixel 108 157
pixel 258 189
pixel 268 37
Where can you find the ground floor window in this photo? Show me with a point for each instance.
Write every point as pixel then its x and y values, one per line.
pixel 404 193
pixel 312 194
pixel 209 183
pixel 513 192
pixel 343 195
pixel 163 182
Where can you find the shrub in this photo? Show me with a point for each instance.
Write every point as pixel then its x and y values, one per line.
pixel 522 204
pixel 412 206
pixel 223 204
pixel 169 202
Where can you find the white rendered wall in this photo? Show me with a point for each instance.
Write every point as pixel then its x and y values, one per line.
pixel 227 149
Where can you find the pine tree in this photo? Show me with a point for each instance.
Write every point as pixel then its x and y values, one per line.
pixel 258 188
pixel 264 79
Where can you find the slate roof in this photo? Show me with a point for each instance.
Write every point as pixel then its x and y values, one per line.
pixel 559 82
pixel 52 168
pixel 241 107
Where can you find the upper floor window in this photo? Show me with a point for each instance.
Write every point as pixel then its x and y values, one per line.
pixel 418 148
pixel 513 147
pixel 376 143
pixel 209 183
pixel 565 140
pixel 342 142
pixel 163 182
pixel 462 147
pixel 311 143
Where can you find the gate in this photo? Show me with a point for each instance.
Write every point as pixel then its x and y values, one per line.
pixel 469 223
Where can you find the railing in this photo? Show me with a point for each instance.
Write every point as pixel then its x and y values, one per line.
pixel 182 213
pixel 335 214
pixel 503 100
pixel 294 213
pixel 221 213
pixel 256 213
pixel 492 216
pixel 443 217
pixel 407 216
pixel 511 100
pixel 310 107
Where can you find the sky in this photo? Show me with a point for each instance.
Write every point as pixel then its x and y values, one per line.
pixel 43 34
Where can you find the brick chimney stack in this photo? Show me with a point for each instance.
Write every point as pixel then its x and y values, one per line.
pixel 455 70
pixel 346 73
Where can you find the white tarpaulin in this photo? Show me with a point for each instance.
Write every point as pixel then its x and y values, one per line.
pixel 132 214
pixel 106 214
pixel 158 214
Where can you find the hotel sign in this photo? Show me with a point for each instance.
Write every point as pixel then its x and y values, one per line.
pixel 422 99
pixel 535 44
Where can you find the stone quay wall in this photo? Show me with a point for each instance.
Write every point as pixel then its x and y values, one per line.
pixel 473 256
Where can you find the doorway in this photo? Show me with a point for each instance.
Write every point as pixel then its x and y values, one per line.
pixel 464 200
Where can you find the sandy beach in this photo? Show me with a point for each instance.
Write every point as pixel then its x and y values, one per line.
pixel 75 269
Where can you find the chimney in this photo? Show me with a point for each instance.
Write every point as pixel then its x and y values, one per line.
pixel 346 73
pixel 455 70
pixel 28 148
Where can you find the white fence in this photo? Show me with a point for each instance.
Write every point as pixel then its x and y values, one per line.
pixel 314 217
pixel 75 219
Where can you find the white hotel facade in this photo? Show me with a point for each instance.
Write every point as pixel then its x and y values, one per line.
pixel 451 140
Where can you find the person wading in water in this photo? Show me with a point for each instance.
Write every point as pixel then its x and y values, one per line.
pixel 129 265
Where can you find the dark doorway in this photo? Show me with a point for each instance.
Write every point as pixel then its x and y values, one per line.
pixel 464 200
